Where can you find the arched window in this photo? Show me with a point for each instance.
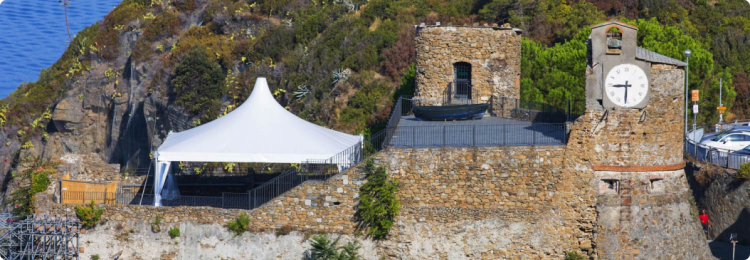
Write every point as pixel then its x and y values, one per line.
pixel 614 40
pixel 462 80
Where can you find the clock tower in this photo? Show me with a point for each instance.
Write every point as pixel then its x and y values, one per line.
pixel 628 145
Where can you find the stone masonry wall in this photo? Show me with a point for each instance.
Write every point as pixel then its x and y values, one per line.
pixel 649 217
pixel 628 137
pixel 475 203
pixel 489 203
pixel 493 52
pixel 633 158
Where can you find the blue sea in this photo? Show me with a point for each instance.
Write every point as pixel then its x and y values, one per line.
pixel 33 35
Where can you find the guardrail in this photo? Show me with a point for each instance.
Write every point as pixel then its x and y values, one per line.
pixel 529 134
pixel 716 157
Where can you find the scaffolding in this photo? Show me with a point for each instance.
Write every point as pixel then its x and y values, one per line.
pixel 41 237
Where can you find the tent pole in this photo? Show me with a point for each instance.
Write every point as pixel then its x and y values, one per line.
pixel 143 191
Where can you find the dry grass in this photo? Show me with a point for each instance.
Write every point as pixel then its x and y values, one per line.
pixel 706 174
pixel 284 230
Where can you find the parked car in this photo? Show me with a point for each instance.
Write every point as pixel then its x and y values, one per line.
pixel 743 151
pixel 733 140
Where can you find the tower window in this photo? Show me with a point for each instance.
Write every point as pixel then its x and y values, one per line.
pixel 609 186
pixel 656 185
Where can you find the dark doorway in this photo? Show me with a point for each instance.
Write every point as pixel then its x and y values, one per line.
pixel 462 78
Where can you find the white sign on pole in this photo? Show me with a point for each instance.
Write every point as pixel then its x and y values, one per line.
pixel 695 108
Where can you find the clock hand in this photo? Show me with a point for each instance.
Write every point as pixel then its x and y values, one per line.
pixel 626 86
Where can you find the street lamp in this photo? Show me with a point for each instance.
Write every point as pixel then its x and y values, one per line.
pixel 687 74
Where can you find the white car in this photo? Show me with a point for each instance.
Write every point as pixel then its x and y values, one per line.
pixel 728 141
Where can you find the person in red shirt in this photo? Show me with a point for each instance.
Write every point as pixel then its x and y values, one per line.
pixel 704 221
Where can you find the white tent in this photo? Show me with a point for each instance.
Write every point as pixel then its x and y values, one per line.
pixel 259 130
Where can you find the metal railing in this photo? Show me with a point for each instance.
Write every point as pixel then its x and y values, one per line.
pixel 403 107
pixel 529 134
pixel 716 157
pixel 462 93
pixel 526 110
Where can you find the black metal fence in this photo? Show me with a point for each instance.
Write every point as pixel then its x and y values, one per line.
pixel 461 93
pixel 527 110
pixel 717 157
pixel 528 134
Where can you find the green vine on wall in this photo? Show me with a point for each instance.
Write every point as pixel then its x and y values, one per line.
pixel 378 205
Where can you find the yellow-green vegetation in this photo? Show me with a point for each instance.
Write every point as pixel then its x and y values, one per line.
pixel 35 178
pixel 27 145
pixel 378 205
pixel 323 248
pixel 155 225
pixel 239 224
pixel 165 25
pixel 89 215
pixel 174 232
pixel 744 171
pixel 574 256
pixel 3 110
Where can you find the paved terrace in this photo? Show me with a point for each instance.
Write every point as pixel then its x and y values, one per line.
pixel 489 131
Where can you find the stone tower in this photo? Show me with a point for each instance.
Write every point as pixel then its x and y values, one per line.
pixel 629 143
pixel 456 64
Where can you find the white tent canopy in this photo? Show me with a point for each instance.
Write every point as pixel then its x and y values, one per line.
pixel 260 130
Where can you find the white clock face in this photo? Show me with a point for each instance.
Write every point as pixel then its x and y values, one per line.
pixel 626 85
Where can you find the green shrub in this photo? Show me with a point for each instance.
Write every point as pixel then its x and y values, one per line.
pixel 174 232
pixel 33 179
pixel 239 225
pixel 325 249
pixel 378 204
pixel 573 255
pixel 95 257
pixel 164 25
pixel 155 225
pixel 744 171
pixel 89 215
pixel 198 82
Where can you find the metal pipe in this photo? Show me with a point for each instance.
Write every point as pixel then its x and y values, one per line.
pixel 687 83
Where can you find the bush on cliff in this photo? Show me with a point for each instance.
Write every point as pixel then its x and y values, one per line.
pixel 744 171
pixel 239 225
pixel 32 180
pixel 198 83
pixel 89 215
pixel 325 249
pixel 378 205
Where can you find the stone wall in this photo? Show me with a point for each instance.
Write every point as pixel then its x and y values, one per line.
pixel 493 52
pixel 628 137
pixel 648 217
pixel 633 160
pixel 489 203
pixel 316 206
pixel 476 203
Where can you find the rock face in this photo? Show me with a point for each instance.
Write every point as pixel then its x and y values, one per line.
pixel 135 240
pixel 494 54
pixel 725 199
